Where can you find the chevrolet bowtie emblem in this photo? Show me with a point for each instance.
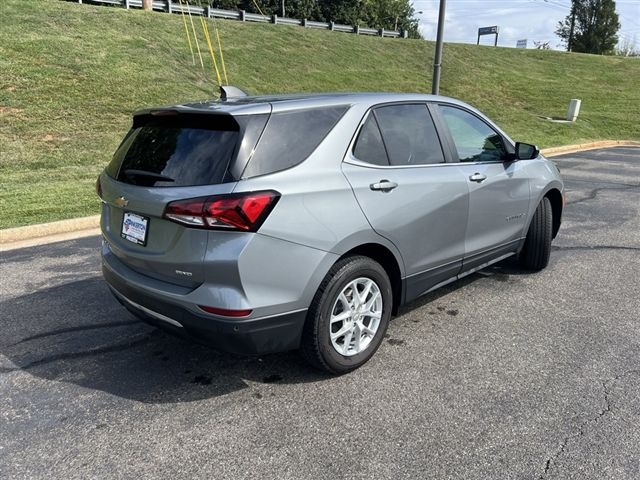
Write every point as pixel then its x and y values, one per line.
pixel 121 202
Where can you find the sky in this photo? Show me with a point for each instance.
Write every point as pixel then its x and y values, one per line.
pixel 518 19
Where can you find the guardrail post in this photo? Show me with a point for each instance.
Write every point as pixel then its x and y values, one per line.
pixel 356 29
pixel 381 32
pixel 207 11
pixel 169 7
pixel 80 1
pixel 274 19
pixel 304 22
pixel 125 4
pixel 405 34
pixel 243 16
pixel 332 25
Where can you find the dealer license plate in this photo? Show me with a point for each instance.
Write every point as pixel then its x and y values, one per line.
pixel 135 228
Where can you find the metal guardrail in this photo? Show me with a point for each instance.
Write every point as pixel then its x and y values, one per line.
pixel 243 16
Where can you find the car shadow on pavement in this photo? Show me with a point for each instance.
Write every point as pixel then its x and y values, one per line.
pixel 78 333
pixel 499 272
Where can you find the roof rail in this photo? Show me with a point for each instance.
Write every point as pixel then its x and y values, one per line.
pixel 227 91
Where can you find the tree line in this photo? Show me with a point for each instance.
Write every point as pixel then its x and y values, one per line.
pixel 387 14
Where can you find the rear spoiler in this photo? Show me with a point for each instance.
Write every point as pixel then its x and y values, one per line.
pixel 216 120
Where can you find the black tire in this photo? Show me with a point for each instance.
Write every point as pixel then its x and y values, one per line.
pixel 537 246
pixel 316 345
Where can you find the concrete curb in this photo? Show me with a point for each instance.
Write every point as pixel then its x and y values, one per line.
pixel 31 235
pixel 554 151
pixel 53 238
pixel 46 230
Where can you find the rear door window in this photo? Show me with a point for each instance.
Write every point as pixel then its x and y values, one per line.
pixel 290 137
pixel 409 135
pixel 176 151
pixel 369 145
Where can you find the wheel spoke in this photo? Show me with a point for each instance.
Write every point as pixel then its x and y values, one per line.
pixel 365 329
pixel 345 328
pixel 341 317
pixel 345 301
pixel 371 302
pixel 374 315
pixel 354 294
pixel 365 292
pixel 358 334
pixel 347 341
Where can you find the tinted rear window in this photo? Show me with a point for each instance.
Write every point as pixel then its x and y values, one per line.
pixel 290 137
pixel 369 146
pixel 176 151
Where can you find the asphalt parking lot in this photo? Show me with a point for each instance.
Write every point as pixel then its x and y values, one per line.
pixel 503 375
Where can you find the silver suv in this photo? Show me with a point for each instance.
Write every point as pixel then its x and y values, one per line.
pixel 264 224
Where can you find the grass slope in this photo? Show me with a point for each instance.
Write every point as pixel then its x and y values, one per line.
pixel 70 76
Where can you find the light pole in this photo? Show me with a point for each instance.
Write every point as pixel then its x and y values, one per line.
pixel 437 62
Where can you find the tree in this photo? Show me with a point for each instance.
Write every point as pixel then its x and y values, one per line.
pixel 542 45
pixel 591 27
pixel 628 48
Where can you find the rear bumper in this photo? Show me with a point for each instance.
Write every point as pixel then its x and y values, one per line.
pixel 255 336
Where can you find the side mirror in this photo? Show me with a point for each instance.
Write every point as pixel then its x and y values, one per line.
pixel 526 151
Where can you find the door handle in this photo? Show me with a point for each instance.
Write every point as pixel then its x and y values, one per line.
pixel 383 186
pixel 478 177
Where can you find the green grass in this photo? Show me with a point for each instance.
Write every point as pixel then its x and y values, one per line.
pixel 71 75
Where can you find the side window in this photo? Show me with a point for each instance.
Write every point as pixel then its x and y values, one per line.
pixel 369 146
pixel 409 135
pixel 475 141
pixel 290 137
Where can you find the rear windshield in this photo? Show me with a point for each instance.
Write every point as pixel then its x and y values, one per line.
pixel 176 151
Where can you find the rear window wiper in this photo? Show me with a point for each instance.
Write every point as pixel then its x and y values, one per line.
pixel 142 173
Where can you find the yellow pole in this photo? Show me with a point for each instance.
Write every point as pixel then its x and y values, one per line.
pixel 205 29
pixel 186 29
pixel 224 68
pixel 259 9
pixel 195 39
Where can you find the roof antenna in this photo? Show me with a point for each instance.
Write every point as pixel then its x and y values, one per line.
pixel 227 92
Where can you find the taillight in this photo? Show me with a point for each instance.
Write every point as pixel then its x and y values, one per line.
pixel 236 211
pixel 99 188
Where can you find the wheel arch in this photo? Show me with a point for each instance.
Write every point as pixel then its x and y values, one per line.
pixel 389 262
pixel 555 198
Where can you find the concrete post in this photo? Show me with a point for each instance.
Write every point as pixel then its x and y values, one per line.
pixel 243 16
pixel 332 26
pixel 125 4
pixel 169 7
